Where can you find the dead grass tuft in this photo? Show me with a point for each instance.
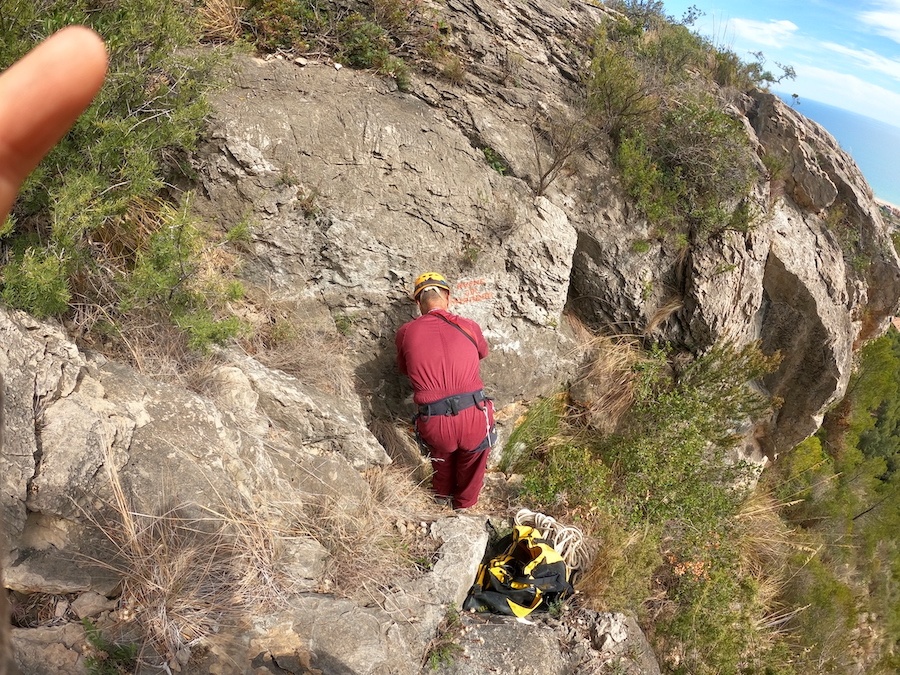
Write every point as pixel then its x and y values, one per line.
pixel 220 20
pixel 399 442
pixel 150 343
pixel 385 541
pixel 307 347
pixel 604 389
pixel 765 544
pixel 765 540
pixel 662 314
pixel 188 571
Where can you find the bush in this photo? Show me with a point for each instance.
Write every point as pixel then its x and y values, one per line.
pixel 687 165
pixel 669 459
pixel 286 24
pixel 679 545
pixel 571 477
pixel 376 36
pixel 363 44
pixel 38 282
pixel 618 94
pixel 89 227
pixel 692 171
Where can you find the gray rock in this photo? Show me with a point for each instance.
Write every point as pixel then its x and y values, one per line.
pixel 49 651
pixel 91 604
pixel 585 642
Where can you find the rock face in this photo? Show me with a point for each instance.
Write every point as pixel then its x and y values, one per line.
pixel 353 188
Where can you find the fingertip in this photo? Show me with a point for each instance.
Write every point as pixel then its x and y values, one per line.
pixel 41 95
pixel 86 48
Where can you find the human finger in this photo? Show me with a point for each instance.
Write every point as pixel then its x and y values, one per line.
pixel 41 95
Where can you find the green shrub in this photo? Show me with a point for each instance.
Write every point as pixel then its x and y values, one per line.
pixel 38 282
pixel 375 36
pixel 531 434
pixel 670 457
pixel 686 164
pixel 618 93
pixel 363 43
pixel 286 24
pixel 571 476
pixel 203 330
pixel 654 192
pixel 495 160
pixel 81 220
pixel 166 274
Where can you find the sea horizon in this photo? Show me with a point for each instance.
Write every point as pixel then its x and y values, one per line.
pixel 874 145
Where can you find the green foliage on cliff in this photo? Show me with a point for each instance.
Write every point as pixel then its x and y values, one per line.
pixel 383 36
pixel 684 160
pixel 849 515
pixel 659 494
pixel 802 575
pixel 94 212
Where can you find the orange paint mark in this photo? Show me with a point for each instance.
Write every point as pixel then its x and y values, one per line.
pixel 472 290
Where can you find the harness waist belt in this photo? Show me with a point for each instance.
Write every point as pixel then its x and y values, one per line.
pixel 452 405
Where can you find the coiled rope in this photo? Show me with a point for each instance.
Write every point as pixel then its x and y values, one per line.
pixel 567 540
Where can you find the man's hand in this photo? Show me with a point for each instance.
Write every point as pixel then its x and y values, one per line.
pixel 41 96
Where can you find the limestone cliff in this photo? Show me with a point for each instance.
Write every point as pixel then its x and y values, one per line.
pixel 401 185
pixel 353 188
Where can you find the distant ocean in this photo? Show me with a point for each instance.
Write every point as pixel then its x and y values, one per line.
pixel 874 145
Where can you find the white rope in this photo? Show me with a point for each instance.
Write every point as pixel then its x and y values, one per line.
pixel 566 539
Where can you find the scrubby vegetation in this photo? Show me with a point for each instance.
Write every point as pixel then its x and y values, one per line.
pixel 685 161
pixel 799 575
pixel 848 487
pixel 98 231
pixel 658 492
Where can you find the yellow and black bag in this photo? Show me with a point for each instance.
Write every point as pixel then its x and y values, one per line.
pixel 527 576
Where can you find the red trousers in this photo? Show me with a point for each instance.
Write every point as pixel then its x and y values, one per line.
pixel 458 468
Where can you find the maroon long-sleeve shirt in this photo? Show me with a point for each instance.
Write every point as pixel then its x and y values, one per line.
pixel 438 358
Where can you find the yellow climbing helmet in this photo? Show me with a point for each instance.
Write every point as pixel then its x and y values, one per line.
pixel 430 280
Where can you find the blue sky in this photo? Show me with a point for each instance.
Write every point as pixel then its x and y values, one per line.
pixel 845 54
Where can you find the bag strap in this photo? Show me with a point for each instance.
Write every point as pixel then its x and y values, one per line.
pixel 459 328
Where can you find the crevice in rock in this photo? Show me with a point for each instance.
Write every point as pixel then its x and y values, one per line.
pixel 38 406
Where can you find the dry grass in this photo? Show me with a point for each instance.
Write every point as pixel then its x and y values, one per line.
pixel 380 543
pixel 285 337
pixel 662 314
pixel 765 543
pixel 604 389
pixel 221 20
pixel 150 343
pixel 189 571
pixel 765 540
pixel 400 444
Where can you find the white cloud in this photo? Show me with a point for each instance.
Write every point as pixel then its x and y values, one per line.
pixel 768 33
pixel 867 59
pixel 885 20
pixel 847 91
